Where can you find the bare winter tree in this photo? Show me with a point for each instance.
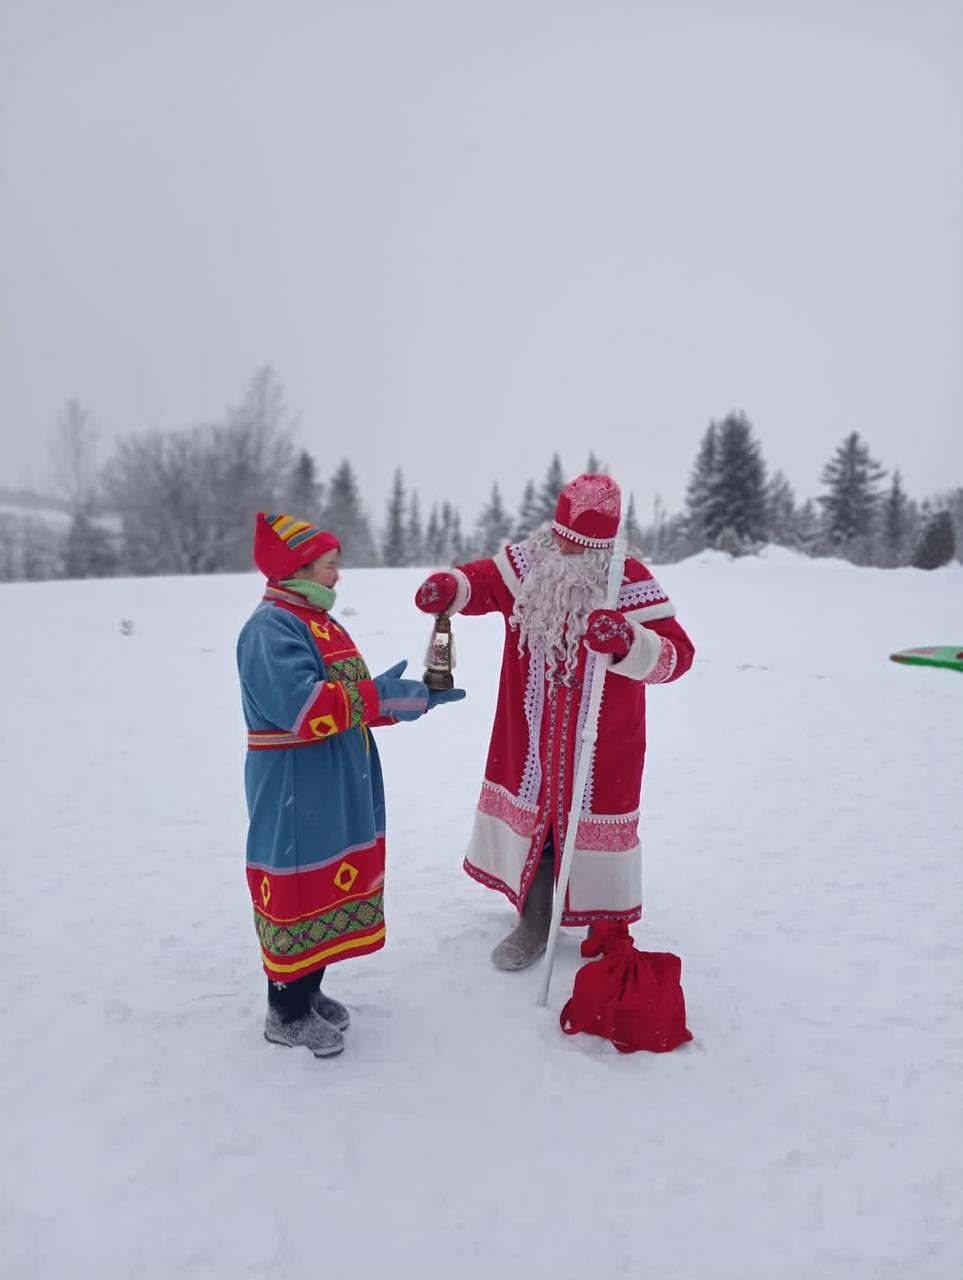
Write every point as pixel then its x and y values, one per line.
pixel 73 451
pixel 87 549
pixel 187 499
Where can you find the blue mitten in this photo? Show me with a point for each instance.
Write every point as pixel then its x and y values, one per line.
pixel 400 699
pixel 437 696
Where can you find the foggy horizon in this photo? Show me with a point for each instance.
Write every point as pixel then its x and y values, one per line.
pixel 470 237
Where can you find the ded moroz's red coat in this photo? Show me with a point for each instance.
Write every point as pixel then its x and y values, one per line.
pixel 535 745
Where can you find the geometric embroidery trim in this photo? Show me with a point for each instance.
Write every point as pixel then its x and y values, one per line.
pixel 518 554
pixel 348 671
pixel 635 593
pixel 534 707
pixel 497 802
pixel 304 935
pixel 590 660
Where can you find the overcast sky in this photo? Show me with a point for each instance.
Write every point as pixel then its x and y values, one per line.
pixel 469 234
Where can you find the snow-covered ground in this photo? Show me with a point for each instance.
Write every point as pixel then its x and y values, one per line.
pixel 803 833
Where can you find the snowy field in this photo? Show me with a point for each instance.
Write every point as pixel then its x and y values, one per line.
pixel 804 855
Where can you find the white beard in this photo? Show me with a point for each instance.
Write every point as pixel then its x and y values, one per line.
pixel 555 599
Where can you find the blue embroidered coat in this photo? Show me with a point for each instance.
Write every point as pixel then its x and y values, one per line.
pixel 315 797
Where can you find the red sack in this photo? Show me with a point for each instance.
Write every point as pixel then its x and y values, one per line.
pixel 633 998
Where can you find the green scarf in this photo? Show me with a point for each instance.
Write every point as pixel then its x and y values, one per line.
pixel 315 593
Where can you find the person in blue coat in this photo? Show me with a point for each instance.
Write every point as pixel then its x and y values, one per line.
pixel 315 797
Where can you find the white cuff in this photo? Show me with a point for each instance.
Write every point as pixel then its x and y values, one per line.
pixel 463 594
pixel 642 657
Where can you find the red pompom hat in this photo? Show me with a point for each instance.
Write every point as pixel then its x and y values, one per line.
pixel 588 511
pixel 283 544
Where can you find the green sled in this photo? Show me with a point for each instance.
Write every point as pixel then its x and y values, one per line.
pixel 940 655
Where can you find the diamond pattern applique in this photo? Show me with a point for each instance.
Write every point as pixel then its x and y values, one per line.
pixel 265 891
pixel 345 876
pixel 323 726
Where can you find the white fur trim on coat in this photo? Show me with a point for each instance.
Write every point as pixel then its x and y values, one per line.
pixel 642 657
pixel 508 574
pixel 651 612
pixel 463 594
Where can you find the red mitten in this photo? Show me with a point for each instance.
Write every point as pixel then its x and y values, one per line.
pixel 607 632
pixel 437 593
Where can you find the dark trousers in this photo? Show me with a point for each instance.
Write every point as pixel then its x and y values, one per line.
pixel 293 999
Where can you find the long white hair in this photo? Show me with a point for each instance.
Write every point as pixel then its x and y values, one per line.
pixel 555 599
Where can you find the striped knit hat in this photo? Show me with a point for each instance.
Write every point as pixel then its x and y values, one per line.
pixel 588 511
pixel 283 544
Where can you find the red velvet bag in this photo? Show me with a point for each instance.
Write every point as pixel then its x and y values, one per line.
pixel 633 998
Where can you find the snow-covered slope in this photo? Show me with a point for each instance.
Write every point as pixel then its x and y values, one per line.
pixel 804 828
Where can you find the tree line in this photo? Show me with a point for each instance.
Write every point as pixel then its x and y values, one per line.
pixel 182 501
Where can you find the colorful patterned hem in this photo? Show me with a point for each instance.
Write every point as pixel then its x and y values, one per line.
pixel 298 947
pixel 346 949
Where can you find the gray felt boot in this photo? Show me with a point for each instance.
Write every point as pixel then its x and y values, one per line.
pixel 332 1011
pixel 311 1031
pixel 528 940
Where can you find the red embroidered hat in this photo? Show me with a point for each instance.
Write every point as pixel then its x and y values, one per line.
pixel 588 511
pixel 283 544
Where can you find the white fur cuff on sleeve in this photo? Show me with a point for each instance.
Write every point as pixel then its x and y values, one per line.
pixel 642 657
pixel 463 594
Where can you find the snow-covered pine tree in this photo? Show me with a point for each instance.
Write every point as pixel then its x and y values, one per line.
pixel 676 539
pixel 808 529
pixel 457 539
pixel 552 486
pixel 699 489
pixel 953 502
pixel 594 467
pixel 434 544
pixel 529 517
pixel 781 511
pixel 851 506
pixel 394 548
pixel 736 499
pixel 894 525
pixel 732 542
pixel 654 542
pixel 450 541
pixel 305 497
pixel 446 530
pixel 633 533
pixel 415 533
pixel 494 525
pixel 345 517
pixel 937 542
